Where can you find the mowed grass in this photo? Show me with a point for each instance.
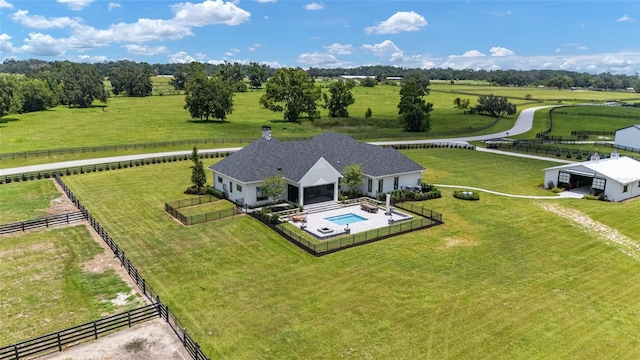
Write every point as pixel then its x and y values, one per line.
pixel 593 118
pixel 212 207
pixel 502 278
pixel 25 201
pixel 44 287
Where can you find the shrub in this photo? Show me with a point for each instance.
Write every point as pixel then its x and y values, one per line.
pixel 556 190
pixel 368 114
pixel 590 197
pixel 558 152
pixel 210 190
pixel 550 185
pixel 579 155
pixel 568 153
pixel 466 195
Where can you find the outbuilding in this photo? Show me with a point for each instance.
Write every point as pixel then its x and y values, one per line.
pixel 628 138
pixel 618 177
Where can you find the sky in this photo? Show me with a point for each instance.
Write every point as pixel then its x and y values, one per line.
pixel 582 36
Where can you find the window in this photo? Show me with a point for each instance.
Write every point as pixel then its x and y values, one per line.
pixel 259 195
pixel 380 185
pixel 220 179
pixel 230 186
pixel 396 183
pixel 598 184
pixel 625 188
pixel 564 178
pixel 370 185
pixel 239 187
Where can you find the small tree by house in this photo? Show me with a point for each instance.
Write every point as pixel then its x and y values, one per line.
pixel 351 176
pixel 273 187
pixel 198 175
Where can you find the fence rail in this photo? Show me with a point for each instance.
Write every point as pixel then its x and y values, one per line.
pixel 142 284
pixel 59 340
pixel 44 222
pixel 114 165
pixel 428 218
pixel 539 149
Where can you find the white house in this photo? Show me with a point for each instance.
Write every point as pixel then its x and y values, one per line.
pixel 628 137
pixel 311 168
pixel 617 177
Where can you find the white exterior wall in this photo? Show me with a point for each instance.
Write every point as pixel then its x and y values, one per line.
pixel 321 173
pixel 614 190
pixel 629 137
pixel 409 179
pixel 551 175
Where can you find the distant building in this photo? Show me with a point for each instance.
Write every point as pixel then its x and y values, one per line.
pixel 617 177
pixel 628 137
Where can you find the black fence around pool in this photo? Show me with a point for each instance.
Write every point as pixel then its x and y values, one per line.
pixel 427 218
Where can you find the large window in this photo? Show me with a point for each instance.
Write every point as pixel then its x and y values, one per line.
pixel 396 183
pixel 370 185
pixel 380 185
pixel 259 195
pixel 598 184
pixel 564 178
pixel 625 188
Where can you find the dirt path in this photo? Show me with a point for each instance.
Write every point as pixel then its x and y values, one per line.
pixel 622 242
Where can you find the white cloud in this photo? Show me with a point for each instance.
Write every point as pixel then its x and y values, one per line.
pixel 500 51
pixel 181 57
pixel 113 6
pixel 92 59
pixel 582 47
pixel 398 22
pixel 625 18
pixel 558 50
pixel 141 31
pixel 43 45
pixel 319 60
pixel 210 12
pixel 5 44
pixel 76 4
pixel 340 49
pixel 201 56
pixel 145 50
pixel 314 6
pixel 470 53
pixel 384 49
pixel 5 5
pixel 41 22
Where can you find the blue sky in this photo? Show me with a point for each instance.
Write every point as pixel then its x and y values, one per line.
pixel 584 36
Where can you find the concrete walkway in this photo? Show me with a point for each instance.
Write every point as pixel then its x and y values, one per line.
pixel 562 195
pixel 523 124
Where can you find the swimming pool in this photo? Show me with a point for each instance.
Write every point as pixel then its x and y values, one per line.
pixel 344 219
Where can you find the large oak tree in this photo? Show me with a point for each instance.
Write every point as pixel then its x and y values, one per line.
pixel 293 91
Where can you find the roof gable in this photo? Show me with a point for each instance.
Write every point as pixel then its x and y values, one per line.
pixel 635 127
pixel 293 159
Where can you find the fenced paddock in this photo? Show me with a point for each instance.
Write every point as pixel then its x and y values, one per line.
pixel 172 209
pixel 45 222
pixel 159 309
pixel 59 340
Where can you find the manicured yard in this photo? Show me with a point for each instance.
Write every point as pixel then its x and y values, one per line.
pixel 503 278
pixel 44 287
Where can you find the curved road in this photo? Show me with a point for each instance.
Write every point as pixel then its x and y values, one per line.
pixel 523 124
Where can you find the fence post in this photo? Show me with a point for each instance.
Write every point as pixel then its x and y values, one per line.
pixel 59 343
pixel 95 330
pixel 129 317
pixel 184 336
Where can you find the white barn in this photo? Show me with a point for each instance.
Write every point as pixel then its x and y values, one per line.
pixel 311 168
pixel 628 137
pixel 617 177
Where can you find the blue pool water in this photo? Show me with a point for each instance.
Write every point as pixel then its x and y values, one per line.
pixel 345 219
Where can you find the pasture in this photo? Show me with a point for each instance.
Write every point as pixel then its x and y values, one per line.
pixel 502 278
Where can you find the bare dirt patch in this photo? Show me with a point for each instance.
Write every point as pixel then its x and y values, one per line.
pixel 586 223
pixel 455 242
pixel 150 340
pixel 61 205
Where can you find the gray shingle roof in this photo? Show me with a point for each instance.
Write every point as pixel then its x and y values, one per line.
pixel 293 159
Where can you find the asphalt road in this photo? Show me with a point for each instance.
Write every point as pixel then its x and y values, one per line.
pixel 523 124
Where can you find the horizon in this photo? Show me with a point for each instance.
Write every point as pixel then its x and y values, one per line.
pixel 580 36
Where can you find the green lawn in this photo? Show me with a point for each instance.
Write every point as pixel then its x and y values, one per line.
pixel 594 118
pixel 44 287
pixel 26 201
pixel 502 278
pixel 212 207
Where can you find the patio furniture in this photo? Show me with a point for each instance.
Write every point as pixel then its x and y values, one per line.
pixel 368 207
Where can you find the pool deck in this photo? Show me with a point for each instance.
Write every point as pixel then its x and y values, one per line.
pixel 377 220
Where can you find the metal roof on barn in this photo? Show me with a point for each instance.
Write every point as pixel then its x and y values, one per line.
pixel 293 159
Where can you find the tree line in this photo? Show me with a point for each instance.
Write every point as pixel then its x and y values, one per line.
pixel 551 78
